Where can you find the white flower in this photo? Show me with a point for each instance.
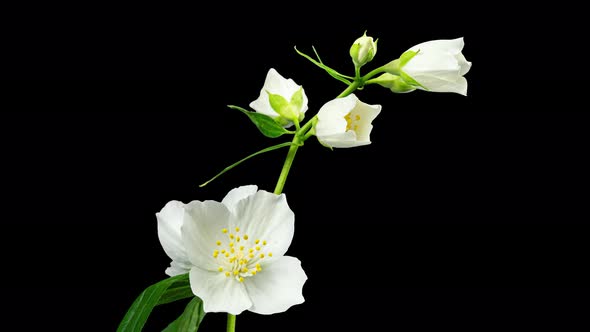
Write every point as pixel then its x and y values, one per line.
pixel 438 66
pixel 235 250
pixel 292 93
pixel 346 122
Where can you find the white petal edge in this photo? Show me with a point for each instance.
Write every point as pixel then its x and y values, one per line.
pixel 218 292
pixel 235 195
pixel 202 227
pixel 170 220
pixel 277 287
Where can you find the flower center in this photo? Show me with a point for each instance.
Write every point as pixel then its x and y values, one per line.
pixel 352 121
pixel 238 255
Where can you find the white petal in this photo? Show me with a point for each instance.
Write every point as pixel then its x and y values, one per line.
pixel 218 292
pixel 428 62
pixel 342 140
pixel 266 217
pixel 367 114
pixel 203 224
pixel 435 84
pixel 235 195
pixel 463 63
pixel 331 116
pixel 169 225
pixel 277 287
pixel 177 268
pixel 452 46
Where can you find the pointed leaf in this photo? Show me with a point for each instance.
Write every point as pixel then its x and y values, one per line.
pixel 143 305
pixel 267 125
pixel 190 319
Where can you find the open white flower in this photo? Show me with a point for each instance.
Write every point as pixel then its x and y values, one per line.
pixel 291 93
pixel 438 66
pixel 346 122
pixel 235 250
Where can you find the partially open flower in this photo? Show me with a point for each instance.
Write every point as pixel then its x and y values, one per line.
pixel 235 251
pixel 281 99
pixel 345 122
pixel 436 65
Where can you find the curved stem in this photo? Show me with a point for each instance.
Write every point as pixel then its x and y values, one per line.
pixel 373 73
pixel 231 323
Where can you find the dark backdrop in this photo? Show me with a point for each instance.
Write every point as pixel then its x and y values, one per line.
pixel 465 214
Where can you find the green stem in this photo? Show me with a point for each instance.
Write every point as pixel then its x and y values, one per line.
pixel 287 165
pixel 373 73
pixel 298 140
pixel 231 323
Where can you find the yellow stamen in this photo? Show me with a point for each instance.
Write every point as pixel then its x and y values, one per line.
pixel 270 254
pixel 257 247
pixel 261 255
pixel 218 243
pixel 251 255
pixel 237 229
pixel 220 269
pixel 257 241
pixel 231 236
pixel 224 230
pixel 241 247
pixel 236 272
pixel 263 243
pixel 241 279
pixel 227 274
pixel 245 237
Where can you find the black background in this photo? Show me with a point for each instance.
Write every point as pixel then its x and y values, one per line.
pixel 465 213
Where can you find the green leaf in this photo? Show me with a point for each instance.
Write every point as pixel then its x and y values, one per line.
pixel 267 125
pixel 177 291
pixel 143 305
pixel 190 319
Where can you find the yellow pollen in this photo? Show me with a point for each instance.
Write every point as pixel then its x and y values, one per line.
pixel 251 255
pixel 223 251
pixel 241 247
pixel 238 239
pixel 244 270
pixel 233 250
pixel 245 237
pixel 257 241
pixel 253 272
pixel 258 267
pixel 227 254
pixel 241 279
pixel 261 255
pixel 242 261
pixel 270 254
pixel 251 250
pixel 357 117
pixel 231 244
pixel 224 230
pixel 257 247
pixel 218 243
pixel 237 229
pixel 236 272
pixel 227 274
pixel 231 236
pixel 220 269
pixel 348 121
pixel 263 243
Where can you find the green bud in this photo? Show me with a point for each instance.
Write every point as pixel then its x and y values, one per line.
pixel 363 50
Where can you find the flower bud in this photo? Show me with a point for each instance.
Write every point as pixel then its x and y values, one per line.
pixel 363 50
